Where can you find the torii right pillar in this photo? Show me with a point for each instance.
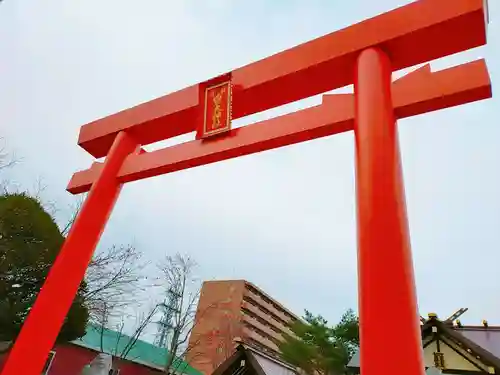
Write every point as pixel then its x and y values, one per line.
pixel 384 252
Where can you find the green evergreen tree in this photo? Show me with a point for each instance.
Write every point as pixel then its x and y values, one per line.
pixel 320 349
pixel 29 243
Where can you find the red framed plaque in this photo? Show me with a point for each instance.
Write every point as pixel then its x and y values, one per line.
pixel 217 109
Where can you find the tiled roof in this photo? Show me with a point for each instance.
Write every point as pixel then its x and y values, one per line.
pixel 142 352
pixel 271 365
pixel 261 363
pixel 486 337
pixel 485 340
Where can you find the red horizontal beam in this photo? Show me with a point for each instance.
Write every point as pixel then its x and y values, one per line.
pixel 418 92
pixel 421 31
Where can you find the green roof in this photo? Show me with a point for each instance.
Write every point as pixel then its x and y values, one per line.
pixel 142 352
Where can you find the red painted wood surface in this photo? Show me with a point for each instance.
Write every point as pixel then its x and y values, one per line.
pixel 70 359
pixel 41 327
pixel 419 92
pixel 421 31
pixel 386 283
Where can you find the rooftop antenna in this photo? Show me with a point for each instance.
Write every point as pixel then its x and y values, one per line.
pixel 457 314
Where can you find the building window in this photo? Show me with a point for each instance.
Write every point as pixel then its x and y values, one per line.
pixel 265 311
pixel 48 363
pixel 261 333
pixel 260 320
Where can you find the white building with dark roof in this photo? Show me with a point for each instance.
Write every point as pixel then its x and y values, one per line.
pixel 451 348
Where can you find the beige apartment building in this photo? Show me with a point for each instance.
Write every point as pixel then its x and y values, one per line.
pixel 231 312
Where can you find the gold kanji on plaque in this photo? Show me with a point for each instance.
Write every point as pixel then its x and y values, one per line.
pixel 217 112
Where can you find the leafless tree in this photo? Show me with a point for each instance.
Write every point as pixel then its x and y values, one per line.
pixel 101 319
pixel 123 343
pixel 179 281
pixel 115 279
pixel 142 322
pixel 178 278
pixel 7 160
pixel 75 208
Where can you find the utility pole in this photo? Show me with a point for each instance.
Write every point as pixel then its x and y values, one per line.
pixel 169 310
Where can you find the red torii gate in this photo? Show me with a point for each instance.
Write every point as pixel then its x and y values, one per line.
pixel 364 54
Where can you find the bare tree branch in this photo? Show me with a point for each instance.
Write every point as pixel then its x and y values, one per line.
pixel 114 278
pixel 181 366
pixel 119 351
pixel 37 192
pixel 143 323
pixel 177 275
pixel 182 292
pixel 74 212
pixel 38 188
pixel 7 160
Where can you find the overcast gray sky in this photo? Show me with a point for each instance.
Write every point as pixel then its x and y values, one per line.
pixel 286 218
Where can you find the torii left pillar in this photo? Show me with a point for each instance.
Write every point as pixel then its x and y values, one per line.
pixel 74 258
